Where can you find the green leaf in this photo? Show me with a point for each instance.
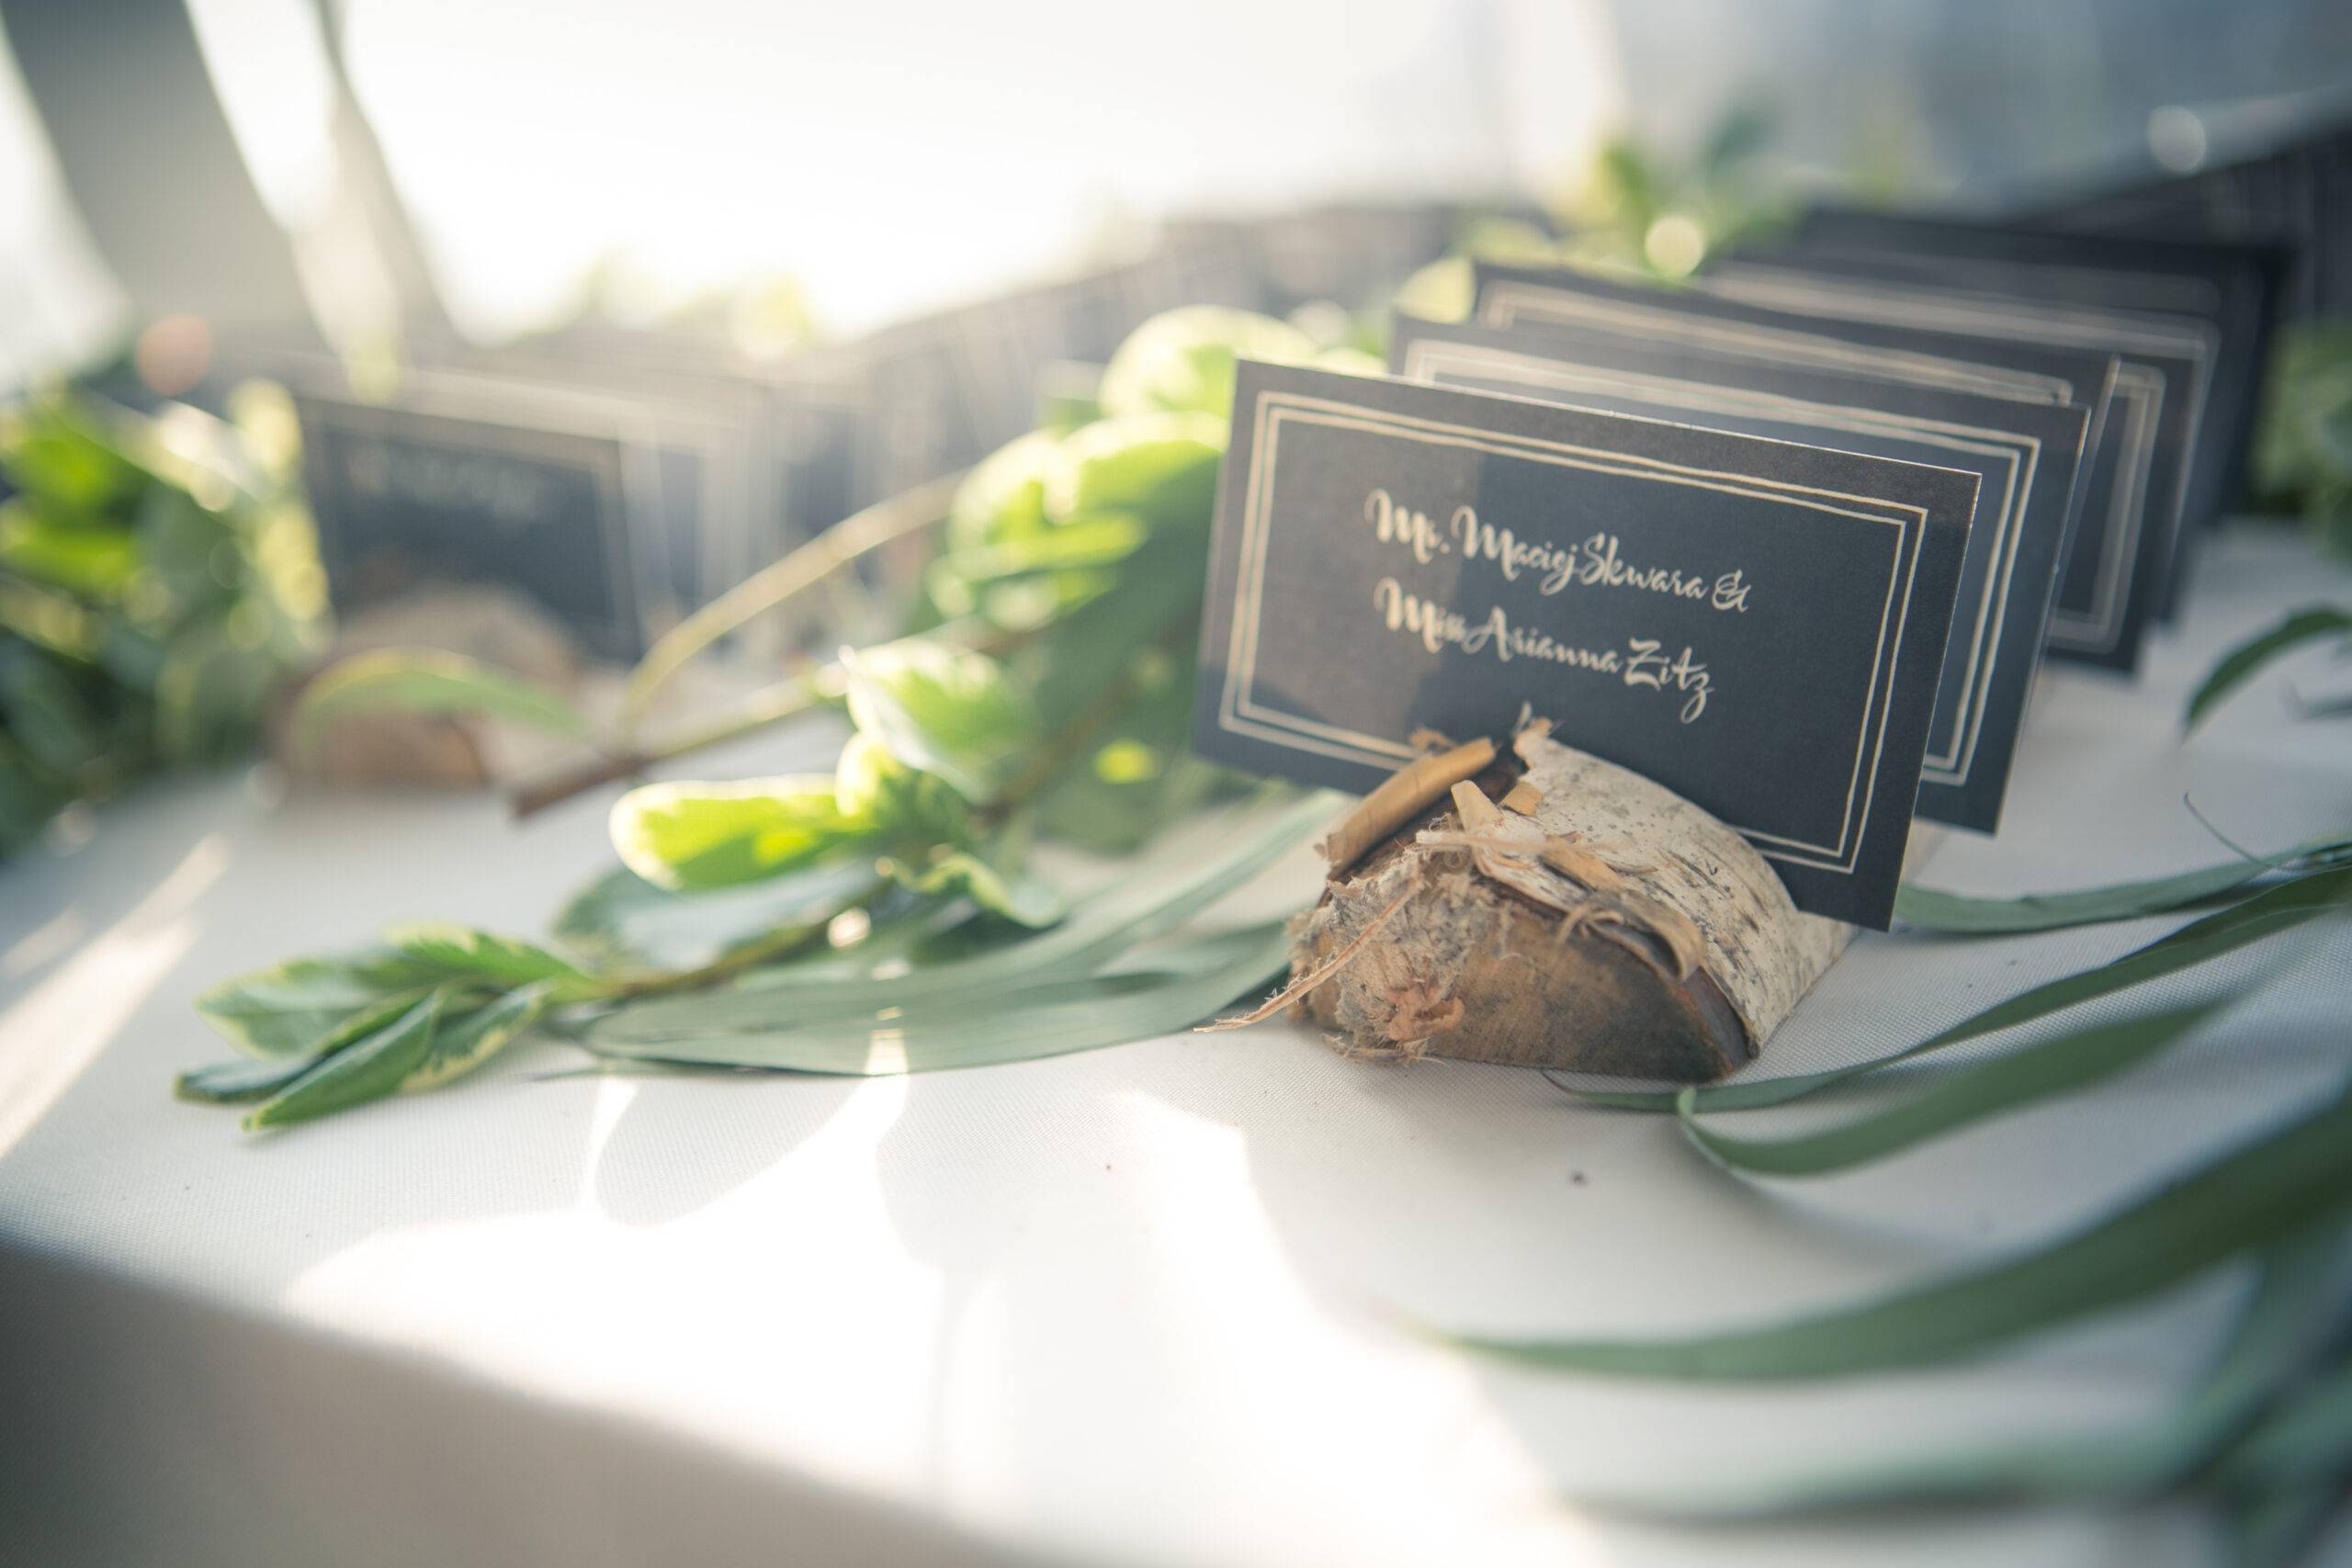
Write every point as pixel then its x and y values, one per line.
pixel 241 1082
pixel 1101 539
pixel 1181 360
pixel 60 453
pixel 416 680
pixel 948 1029
pixel 693 836
pixel 2275 1528
pixel 463 954
pixel 941 711
pixel 1965 915
pixel 1149 900
pixel 2273 910
pixel 2241 662
pixel 621 920
pixel 2307 1439
pixel 368 1070
pixel 91 557
pixel 2272 1187
pixel 1017 895
pixel 237 1083
pixel 210 690
pixel 2293 1298
pixel 2038 1072
pixel 1004 498
pixel 465 1041
pixel 1159 468
pixel 288 1009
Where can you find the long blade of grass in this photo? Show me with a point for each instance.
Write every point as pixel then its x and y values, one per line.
pixel 2266 913
pixel 893 518
pixel 2293 1300
pixel 2244 662
pixel 2277 1185
pixel 1149 900
pixel 2041 1071
pixel 1962 914
pixel 954 1030
pixel 2308 1438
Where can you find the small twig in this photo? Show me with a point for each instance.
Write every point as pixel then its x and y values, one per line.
pixel 1409 790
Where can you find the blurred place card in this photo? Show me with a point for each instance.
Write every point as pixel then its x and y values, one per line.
pixel 714 469
pixel 2207 307
pixel 2023 454
pixel 1757 624
pixel 2295 195
pixel 2108 581
pixel 554 501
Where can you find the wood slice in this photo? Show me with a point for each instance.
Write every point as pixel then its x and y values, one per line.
pixel 1556 911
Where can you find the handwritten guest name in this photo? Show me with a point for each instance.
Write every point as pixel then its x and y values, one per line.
pixel 1598 562
pixel 1642 662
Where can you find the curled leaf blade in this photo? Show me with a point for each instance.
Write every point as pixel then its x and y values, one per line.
pixel 2276 1186
pixel 367 1069
pixel 2248 659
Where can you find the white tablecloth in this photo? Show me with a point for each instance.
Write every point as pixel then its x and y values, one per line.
pixel 1137 1306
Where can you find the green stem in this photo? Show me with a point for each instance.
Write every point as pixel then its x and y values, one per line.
pixel 907 512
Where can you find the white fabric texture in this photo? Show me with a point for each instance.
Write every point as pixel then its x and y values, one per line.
pixel 1145 1306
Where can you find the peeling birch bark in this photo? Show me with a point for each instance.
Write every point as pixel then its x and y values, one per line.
pixel 1560 912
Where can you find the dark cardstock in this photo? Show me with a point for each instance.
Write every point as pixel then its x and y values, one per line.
pixel 2218 301
pixel 2167 363
pixel 2024 455
pixel 2107 585
pixel 1757 624
pixel 403 495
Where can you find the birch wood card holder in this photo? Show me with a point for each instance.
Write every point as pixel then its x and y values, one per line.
pixel 1546 908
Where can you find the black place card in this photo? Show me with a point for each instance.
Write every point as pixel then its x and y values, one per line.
pixel 2168 368
pixel 403 495
pixel 2111 576
pixel 2212 304
pixel 1755 624
pixel 2024 455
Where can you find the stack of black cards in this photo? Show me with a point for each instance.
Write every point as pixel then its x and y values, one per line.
pixel 1791 539
pixel 622 478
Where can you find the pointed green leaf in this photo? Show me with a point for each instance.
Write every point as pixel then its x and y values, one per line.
pixel 1004 498
pixel 2245 661
pixel 463 954
pixel 1017 896
pixel 621 920
pixel 1158 468
pixel 1183 359
pixel 2040 1071
pixel 368 1070
pixel 2308 1438
pixel 289 1009
pixel 463 1042
pixel 1962 914
pixel 239 1083
pixel 947 1029
pixel 941 711
pixel 692 836
pixel 417 680
pixel 2274 1187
